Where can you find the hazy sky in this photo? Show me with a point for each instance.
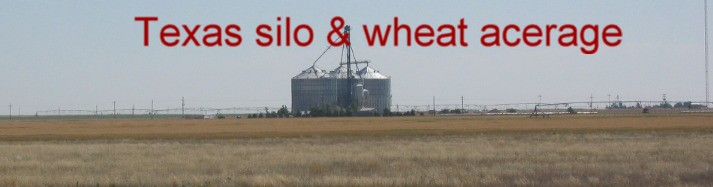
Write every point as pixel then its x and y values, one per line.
pixel 78 54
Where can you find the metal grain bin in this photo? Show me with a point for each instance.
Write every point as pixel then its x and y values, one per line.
pixel 378 86
pixel 312 88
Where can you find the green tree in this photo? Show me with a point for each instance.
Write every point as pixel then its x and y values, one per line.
pixel 387 112
pixel 687 104
pixel 665 105
pixel 571 110
pixel 283 112
pixel 296 113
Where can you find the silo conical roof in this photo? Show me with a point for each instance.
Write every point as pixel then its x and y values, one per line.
pixel 370 73
pixel 341 73
pixel 313 72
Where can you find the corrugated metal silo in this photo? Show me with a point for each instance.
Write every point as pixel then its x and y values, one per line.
pixel 313 87
pixel 378 86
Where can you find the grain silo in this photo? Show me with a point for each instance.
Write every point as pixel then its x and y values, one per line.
pixel 312 88
pixel 341 88
pixel 377 88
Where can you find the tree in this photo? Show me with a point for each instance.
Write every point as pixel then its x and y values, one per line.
pixel 617 105
pixel 315 112
pixel 665 105
pixel 687 104
pixel 283 112
pixel 571 110
pixel 387 112
pixel 296 113
pixel 511 110
pixel 456 111
pixel 445 111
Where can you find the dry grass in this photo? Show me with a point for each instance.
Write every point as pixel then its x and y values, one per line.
pixel 255 128
pixel 545 159
pixel 588 151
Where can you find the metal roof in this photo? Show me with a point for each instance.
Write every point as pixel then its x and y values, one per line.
pixel 341 73
pixel 312 72
pixel 370 73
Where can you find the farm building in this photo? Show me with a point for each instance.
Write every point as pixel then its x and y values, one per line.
pixel 367 88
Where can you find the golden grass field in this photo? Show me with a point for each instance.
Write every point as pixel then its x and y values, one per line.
pixel 663 150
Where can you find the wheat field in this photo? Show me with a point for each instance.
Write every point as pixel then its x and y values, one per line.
pixel 644 152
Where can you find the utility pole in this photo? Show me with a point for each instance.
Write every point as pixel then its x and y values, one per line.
pixel 591 101
pixel 183 105
pixel 96 110
pixel 539 102
pixel 609 102
pixel 462 104
pixel 705 8
pixel 151 113
pixel 434 106
pixel 114 109
pixel 10 110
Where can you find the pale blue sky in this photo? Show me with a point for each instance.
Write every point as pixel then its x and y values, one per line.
pixel 78 54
